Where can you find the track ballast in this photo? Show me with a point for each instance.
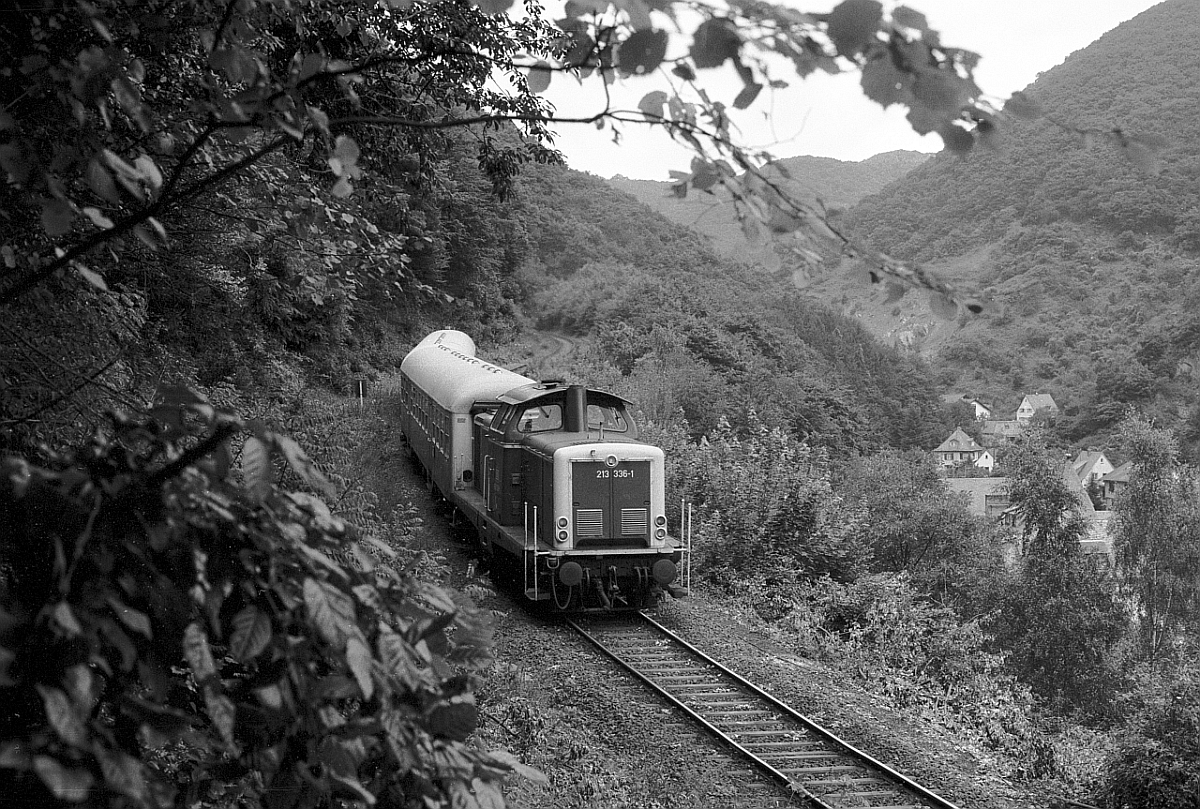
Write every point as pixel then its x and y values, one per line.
pixel 783 743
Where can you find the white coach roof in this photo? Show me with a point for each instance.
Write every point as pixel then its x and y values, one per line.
pixel 444 365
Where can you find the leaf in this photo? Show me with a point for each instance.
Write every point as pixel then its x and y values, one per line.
pixel 344 160
pixel 63 716
pixel 66 618
pixel 853 24
pixel 957 139
pixel 684 71
pixel 638 12
pixel 222 712
pixel 882 82
pixel 396 657
pixel 98 218
pixel 198 653
pixel 746 97
pixel 906 17
pixel 123 773
pixel 1022 105
pixel 492 6
pixel 147 237
pixel 251 633
pixel 358 658
pixel 134 619
pixel 257 471
pixel 354 786
pixel 652 104
pixel 80 683
pixel 714 42
pixel 342 188
pixel 65 784
pixel 101 182
pixel 582 44
pixel 302 465
pixel 456 719
pixel 149 171
pixel 487 794
pixel 56 217
pixel 539 77
pixel 330 610
pixel 642 52
pixel 577 8
pixel 507 759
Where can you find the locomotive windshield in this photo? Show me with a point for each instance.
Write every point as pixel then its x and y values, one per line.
pixel 606 417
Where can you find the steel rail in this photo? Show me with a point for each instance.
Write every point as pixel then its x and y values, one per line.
pixel 871 773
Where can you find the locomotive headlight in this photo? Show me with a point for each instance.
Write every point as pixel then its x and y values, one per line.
pixel 610 461
pixel 562 536
pixel 660 520
pixel 562 522
pixel 661 533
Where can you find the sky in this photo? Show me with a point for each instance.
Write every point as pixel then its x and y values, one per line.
pixel 828 116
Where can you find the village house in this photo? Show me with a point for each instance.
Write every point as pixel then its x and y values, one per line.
pixel 985 497
pixel 1113 483
pixel 958 449
pixel 1089 467
pixel 1036 404
pixel 998 433
pixel 982 411
pixel 986 461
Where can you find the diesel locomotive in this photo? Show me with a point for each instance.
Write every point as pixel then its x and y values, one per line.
pixel 563 499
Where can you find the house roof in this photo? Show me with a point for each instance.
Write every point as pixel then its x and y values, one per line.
pixel 993 427
pixel 1085 461
pixel 959 442
pixel 1120 474
pixel 1040 401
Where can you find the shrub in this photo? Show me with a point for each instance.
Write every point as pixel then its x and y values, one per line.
pixel 149 601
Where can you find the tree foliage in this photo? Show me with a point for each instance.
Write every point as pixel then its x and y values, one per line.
pixel 151 600
pixel 115 115
pixel 1158 763
pixel 1060 619
pixel 1158 538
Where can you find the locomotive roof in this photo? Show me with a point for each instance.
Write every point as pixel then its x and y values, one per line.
pixel 536 390
pixel 444 365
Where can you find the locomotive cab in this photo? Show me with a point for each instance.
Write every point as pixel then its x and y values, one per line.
pixel 565 464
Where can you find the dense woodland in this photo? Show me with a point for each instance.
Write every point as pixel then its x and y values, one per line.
pixel 206 572
pixel 1085 254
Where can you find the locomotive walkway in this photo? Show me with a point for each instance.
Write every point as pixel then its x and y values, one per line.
pixel 784 744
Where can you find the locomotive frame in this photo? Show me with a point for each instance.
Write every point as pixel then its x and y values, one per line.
pixel 563 498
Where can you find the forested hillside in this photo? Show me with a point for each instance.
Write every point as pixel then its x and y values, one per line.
pixel 1086 249
pixel 691 331
pixel 836 184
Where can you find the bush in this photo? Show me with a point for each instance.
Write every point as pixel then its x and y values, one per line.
pixel 923 659
pixel 165 628
pixel 1158 765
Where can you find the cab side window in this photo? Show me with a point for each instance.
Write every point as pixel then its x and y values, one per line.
pixel 539 419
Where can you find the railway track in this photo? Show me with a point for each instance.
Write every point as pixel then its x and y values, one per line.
pixel 784 744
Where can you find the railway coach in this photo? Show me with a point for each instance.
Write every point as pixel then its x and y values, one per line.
pixel 564 500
